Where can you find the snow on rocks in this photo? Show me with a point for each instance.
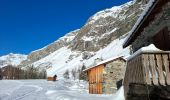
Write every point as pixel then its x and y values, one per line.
pixel 109 32
pixel 113 12
pixel 69 36
pixel 90 38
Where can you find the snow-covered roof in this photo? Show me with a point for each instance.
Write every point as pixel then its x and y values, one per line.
pixel 148 49
pixel 106 61
pixel 140 20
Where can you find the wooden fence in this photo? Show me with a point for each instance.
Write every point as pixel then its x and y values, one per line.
pixel 149 68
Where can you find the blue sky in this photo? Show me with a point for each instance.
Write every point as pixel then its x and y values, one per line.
pixel 27 25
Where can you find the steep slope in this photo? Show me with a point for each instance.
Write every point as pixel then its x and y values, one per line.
pixel 45 51
pixel 60 60
pixel 98 38
pixel 12 59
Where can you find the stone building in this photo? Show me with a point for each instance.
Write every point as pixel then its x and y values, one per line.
pixel 147 75
pixel 104 76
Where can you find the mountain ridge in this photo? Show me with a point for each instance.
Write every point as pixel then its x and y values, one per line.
pixel 12 59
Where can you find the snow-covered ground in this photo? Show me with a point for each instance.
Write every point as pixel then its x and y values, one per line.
pixel 45 90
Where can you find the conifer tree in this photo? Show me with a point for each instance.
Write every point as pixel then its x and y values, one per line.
pixel 82 74
pixel 66 74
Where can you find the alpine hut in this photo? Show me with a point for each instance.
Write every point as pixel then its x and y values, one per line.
pixel 51 75
pixel 103 76
pixel 147 75
pixel 52 78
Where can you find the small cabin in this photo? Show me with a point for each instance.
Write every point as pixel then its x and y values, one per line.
pixel 147 75
pixel 54 78
pixel 104 76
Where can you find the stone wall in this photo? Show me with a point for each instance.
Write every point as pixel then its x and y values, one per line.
pixel 113 72
pixel 160 21
pixel 148 92
pixel 167 16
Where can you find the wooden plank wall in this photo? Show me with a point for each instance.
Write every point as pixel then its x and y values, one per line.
pixel 95 76
pixel 134 73
pixel 51 79
pixel 158 72
pixel 149 69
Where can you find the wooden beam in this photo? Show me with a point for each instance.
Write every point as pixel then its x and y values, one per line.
pixel 160 69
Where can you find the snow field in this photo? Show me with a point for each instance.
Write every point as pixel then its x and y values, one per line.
pixel 46 90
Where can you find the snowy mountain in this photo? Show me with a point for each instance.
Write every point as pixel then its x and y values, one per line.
pixel 101 37
pixel 12 59
pixel 61 60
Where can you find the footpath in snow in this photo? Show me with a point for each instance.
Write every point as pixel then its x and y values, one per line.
pixel 44 90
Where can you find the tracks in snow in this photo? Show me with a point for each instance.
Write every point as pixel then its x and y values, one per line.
pixel 23 92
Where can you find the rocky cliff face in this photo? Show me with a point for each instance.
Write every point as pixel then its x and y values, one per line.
pixel 107 25
pixel 99 31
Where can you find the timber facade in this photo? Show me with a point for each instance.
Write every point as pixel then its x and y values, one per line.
pixel 104 76
pixel 147 75
pixel 54 78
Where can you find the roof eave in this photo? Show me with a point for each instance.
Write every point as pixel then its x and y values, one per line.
pixel 128 41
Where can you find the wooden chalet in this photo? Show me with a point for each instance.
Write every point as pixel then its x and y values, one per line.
pixel 54 78
pixel 147 75
pixel 103 76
